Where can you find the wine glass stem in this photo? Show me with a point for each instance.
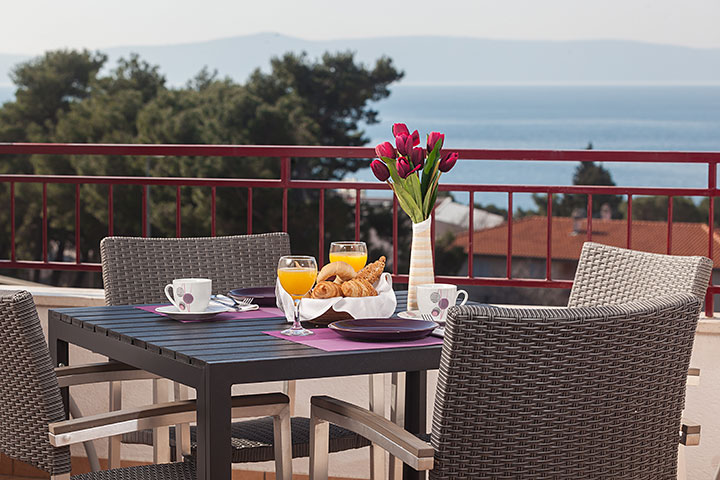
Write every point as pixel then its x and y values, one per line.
pixel 296 321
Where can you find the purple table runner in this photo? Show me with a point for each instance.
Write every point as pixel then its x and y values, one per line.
pixel 331 341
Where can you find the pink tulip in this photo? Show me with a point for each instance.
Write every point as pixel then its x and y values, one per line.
pixel 418 156
pixel 400 129
pixel 448 161
pixel 416 138
pixel 404 144
pixel 380 170
pixel 385 149
pixel 433 139
pixel 405 167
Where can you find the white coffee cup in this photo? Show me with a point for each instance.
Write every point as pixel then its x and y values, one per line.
pixel 435 299
pixel 189 294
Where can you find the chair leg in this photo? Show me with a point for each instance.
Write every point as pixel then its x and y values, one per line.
pixel 161 435
pixel 377 405
pixel 397 416
pixel 289 390
pixel 283 445
pixel 319 448
pixel 681 473
pixel 182 430
pixel 115 392
pixel 92 455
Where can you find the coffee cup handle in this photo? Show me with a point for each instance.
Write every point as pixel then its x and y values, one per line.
pixel 168 287
pixel 464 299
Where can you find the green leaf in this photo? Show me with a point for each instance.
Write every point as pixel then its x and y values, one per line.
pixel 407 204
pixel 431 196
pixel 414 185
pixel 430 167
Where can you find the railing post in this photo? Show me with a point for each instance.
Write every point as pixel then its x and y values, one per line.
pixel 77 223
pixel 110 210
pixel 712 187
pixel 669 226
pixel 548 264
pixel 213 210
pixel 12 222
pixel 471 233
pixel 629 221
pixel 44 224
pixel 321 227
pixel 508 259
pixel 285 174
pixel 589 217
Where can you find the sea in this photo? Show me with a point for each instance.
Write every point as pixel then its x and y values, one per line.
pixel 609 117
pixel 656 118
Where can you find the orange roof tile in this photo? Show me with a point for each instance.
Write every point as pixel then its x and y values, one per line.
pixel 529 236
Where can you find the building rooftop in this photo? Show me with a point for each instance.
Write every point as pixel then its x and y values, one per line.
pixel 568 236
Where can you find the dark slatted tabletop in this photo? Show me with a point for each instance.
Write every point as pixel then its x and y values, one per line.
pixel 228 341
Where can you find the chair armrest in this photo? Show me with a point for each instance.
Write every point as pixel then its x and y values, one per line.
pixel 689 432
pixel 390 437
pixel 109 424
pixel 693 376
pixel 99 372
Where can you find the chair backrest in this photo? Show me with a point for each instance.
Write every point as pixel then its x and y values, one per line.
pixel 29 393
pixel 592 392
pixel 136 270
pixel 608 275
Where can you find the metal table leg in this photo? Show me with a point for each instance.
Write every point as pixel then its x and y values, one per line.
pixel 415 412
pixel 214 450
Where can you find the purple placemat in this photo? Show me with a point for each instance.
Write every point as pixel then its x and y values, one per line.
pixel 262 312
pixel 331 341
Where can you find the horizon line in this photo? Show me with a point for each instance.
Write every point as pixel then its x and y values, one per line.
pixel 379 37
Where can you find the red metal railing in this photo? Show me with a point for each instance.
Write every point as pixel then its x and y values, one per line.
pixel 285 182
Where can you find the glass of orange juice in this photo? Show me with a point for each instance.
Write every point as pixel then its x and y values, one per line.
pixel 297 274
pixel 352 253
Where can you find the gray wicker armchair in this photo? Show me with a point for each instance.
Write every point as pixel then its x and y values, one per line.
pixel 135 270
pixel 592 392
pixel 608 275
pixel 32 424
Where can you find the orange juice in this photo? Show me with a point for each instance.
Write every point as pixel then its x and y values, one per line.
pixel 356 260
pixel 297 281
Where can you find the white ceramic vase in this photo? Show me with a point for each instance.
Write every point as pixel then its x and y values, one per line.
pixel 421 261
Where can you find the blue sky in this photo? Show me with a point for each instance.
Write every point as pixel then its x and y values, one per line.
pixel 33 26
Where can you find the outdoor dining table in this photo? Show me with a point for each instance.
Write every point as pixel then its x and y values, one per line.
pixel 211 357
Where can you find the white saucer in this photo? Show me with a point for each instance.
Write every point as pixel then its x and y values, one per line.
pixel 415 315
pixel 212 310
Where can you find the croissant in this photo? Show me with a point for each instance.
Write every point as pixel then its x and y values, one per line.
pixel 326 290
pixel 368 289
pixel 340 270
pixel 352 288
pixel 372 271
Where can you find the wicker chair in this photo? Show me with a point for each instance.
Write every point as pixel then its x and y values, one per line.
pixel 591 392
pixel 33 428
pixel 608 275
pixel 135 270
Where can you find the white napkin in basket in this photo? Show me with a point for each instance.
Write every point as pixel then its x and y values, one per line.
pixel 381 306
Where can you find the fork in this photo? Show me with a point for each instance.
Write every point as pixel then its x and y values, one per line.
pixel 427 317
pixel 231 302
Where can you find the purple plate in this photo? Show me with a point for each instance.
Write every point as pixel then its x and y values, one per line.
pixel 263 296
pixel 383 329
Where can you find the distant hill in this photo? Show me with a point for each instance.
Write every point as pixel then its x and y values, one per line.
pixel 444 60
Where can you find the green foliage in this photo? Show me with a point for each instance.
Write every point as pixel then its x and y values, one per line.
pixel 656 209
pixel 586 173
pixel 64 97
